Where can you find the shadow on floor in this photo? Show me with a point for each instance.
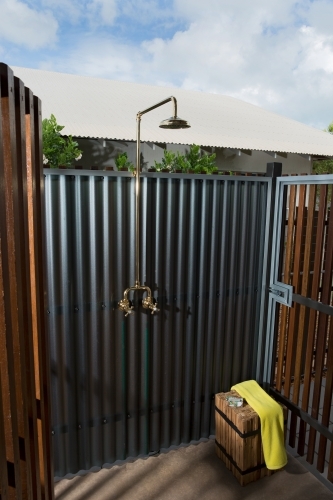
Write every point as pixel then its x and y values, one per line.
pixel 189 473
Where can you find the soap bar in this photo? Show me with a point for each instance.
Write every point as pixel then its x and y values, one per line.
pixel 234 401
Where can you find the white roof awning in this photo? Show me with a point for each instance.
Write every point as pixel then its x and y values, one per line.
pixel 100 108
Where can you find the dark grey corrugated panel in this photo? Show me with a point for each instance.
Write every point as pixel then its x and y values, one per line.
pixel 127 386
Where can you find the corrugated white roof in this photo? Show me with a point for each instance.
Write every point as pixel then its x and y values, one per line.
pixel 100 108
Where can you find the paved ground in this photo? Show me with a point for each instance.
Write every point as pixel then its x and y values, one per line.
pixel 189 473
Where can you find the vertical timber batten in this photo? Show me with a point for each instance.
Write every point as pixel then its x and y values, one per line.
pixel 20 266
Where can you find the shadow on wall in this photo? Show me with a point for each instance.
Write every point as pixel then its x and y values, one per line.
pixel 102 153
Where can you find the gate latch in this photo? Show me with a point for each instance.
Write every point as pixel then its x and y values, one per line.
pixel 282 293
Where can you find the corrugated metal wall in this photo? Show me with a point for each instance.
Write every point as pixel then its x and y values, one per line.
pixel 129 386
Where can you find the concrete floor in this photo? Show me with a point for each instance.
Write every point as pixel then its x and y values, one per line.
pixel 189 473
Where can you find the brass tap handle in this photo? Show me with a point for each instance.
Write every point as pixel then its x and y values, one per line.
pixel 154 309
pixel 124 305
pixel 148 303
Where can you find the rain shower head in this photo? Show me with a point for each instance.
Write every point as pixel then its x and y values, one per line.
pixel 174 122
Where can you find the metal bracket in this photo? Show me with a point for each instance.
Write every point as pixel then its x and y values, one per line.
pixel 281 293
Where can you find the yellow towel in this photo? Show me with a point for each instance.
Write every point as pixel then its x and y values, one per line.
pixel 271 420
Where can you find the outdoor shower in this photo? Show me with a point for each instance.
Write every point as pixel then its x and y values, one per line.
pixel 173 123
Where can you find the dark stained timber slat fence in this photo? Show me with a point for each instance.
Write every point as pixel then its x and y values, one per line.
pixel 327 399
pixel 304 352
pixel 301 333
pixel 12 353
pixel 322 335
pixel 23 427
pixel 296 282
pixel 318 244
pixel 287 271
pixel 3 460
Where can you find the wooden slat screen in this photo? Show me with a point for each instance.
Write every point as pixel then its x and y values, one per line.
pixel 304 356
pixel 26 464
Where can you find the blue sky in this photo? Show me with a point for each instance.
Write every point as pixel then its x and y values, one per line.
pixel 277 54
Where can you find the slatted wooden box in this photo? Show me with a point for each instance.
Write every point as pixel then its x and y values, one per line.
pixel 238 439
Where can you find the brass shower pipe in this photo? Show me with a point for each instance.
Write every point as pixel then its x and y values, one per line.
pixel 172 123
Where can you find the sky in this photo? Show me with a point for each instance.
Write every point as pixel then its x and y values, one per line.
pixel 277 54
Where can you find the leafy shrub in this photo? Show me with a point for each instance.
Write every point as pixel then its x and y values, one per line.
pixel 193 156
pixel 324 166
pixel 194 159
pixel 57 149
pixel 122 161
pixel 181 163
pixel 207 163
pixel 168 160
pixel 200 161
pixel 158 165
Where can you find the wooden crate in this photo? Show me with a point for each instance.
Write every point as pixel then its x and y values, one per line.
pixel 238 439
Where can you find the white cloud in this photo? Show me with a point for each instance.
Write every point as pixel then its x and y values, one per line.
pixel 317 51
pixel 259 52
pixel 278 55
pixel 251 14
pixel 22 25
pixel 103 12
pixel 319 13
pixel 71 10
pixel 100 58
pixel 2 53
pixel 148 11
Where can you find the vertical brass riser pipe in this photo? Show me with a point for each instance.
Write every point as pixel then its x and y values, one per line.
pixel 174 122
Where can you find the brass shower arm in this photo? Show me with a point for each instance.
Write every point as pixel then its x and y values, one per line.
pixel 168 99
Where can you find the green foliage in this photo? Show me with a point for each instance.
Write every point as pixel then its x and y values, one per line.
pixel 181 163
pixel 207 163
pixel 122 161
pixel 330 128
pixel 172 161
pixel 201 161
pixel 193 156
pixel 194 159
pixel 158 165
pixel 58 150
pixel 324 166
pixel 168 159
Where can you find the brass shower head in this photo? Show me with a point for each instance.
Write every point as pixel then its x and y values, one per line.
pixel 174 122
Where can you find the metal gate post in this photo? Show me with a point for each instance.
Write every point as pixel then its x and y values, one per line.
pixel 273 170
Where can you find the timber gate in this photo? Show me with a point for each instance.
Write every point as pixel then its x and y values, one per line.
pixel 299 356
